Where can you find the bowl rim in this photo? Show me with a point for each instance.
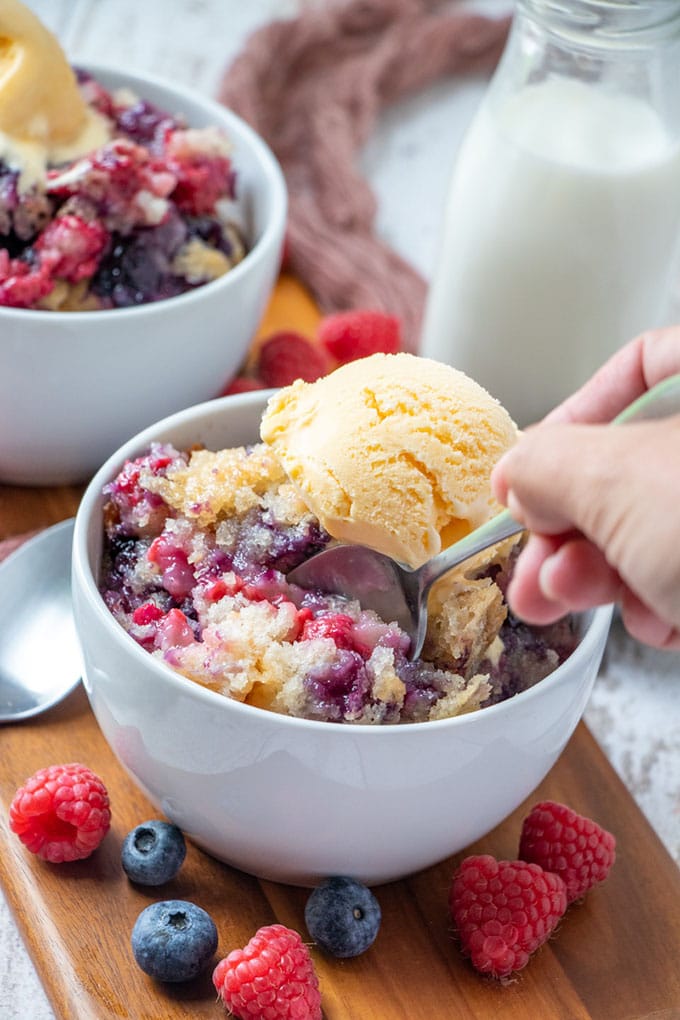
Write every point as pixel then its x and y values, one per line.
pixel 274 228
pixel 597 620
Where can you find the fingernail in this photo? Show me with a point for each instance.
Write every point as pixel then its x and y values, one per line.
pixel 514 506
pixel 545 578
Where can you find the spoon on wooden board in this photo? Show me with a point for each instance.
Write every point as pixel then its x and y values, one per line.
pixel 380 583
pixel 39 649
pixel 40 662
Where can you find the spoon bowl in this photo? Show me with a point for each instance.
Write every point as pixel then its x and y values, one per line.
pixel 394 591
pixel 39 648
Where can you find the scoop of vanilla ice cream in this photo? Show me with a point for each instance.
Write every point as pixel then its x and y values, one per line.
pixel 393 451
pixel 43 118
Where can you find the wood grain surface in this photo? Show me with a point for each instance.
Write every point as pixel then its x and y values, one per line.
pixel 614 957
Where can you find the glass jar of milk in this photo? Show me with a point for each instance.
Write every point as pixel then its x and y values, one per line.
pixel 563 213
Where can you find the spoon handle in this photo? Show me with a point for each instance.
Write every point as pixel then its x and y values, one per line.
pixel 503 525
pixel 660 401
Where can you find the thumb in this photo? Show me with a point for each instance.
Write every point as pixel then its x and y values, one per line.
pixel 616 485
pixel 561 478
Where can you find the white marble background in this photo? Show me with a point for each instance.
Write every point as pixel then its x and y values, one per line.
pixel 635 707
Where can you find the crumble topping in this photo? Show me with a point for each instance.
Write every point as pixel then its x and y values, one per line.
pixel 198 546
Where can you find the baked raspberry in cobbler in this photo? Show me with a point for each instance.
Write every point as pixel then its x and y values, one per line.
pixel 149 215
pixel 197 548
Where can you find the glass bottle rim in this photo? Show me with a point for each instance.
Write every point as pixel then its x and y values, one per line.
pixel 607 22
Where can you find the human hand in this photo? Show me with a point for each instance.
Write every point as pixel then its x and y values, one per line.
pixel 602 504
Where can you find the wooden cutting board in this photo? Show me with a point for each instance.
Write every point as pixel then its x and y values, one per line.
pixel 615 956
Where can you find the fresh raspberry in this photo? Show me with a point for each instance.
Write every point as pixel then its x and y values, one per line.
pixel 71 248
pixel 568 844
pixel 242 384
pixel 356 334
pixel 503 911
pixel 131 499
pixel 217 590
pixel 22 285
pixel 338 626
pixel 272 978
pixel 286 356
pixel 61 813
pixel 222 587
pixel 174 631
pixel 177 574
pixel 301 618
pixel 202 167
pixel 147 613
pixel 201 183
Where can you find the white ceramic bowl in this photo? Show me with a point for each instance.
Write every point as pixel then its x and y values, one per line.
pixel 75 385
pixel 290 799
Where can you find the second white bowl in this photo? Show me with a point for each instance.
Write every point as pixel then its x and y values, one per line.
pixel 75 385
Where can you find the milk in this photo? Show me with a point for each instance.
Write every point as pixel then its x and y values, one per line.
pixel 559 231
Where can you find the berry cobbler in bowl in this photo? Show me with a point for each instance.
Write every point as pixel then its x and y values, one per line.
pixel 133 277
pixel 286 731
pixel 149 214
pixel 198 544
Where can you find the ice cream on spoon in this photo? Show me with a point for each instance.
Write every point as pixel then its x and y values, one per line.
pixel 393 451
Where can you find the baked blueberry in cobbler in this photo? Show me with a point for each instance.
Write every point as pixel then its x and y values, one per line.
pixel 148 215
pixel 197 548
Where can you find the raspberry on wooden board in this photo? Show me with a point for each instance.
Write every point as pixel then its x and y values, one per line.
pixel 61 813
pixel 568 844
pixel 503 911
pixel 272 976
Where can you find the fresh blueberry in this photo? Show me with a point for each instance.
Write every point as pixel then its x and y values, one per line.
pixel 143 122
pixel 153 853
pixel 137 267
pixel 343 916
pixel 174 940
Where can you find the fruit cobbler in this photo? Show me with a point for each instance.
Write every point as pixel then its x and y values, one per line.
pixel 149 215
pixel 197 548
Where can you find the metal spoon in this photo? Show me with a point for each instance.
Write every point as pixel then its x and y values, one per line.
pixel 400 593
pixel 39 650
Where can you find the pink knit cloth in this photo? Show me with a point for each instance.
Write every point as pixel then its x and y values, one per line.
pixel 10 545
pixel 314 87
